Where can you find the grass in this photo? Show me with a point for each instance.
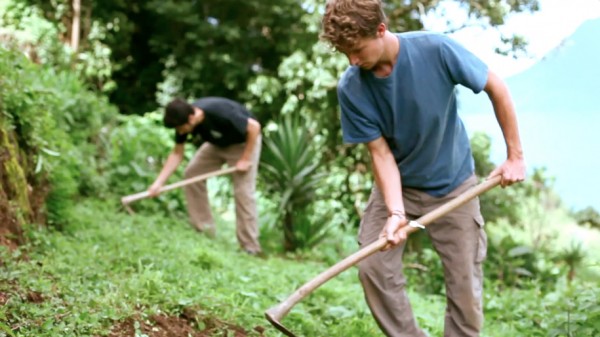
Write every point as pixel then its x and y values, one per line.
pixel 108 266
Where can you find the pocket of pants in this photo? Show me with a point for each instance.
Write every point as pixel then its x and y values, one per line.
pixel 482 240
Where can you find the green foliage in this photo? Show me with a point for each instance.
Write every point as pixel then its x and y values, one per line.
pixel 59 128
pixel 134 165
pixel 38 38
pixel 42 40
pixel 518 203
pixel 138 147
pixel 263 32
pixel 108 266
pixel 578 315
pixel 481 145
pixel 572 257
pixel 290 164
pixel 13 186
pixel 36 130
pixel 588 216
pixel 513 264
pixel 565 311
pixel 307 81
pixel 233 43
pixel 63 191
pixel 424 270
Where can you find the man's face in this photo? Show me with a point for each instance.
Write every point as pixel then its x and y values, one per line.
pixel 185 128
pixel 367 51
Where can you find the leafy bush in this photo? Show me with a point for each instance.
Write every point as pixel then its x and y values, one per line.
pixel 511 203
pixel 424 271
pixel 138 147
pixel 290 165
pixel 59 127
pixel 565 311
pixel 26 29
pixel 588 216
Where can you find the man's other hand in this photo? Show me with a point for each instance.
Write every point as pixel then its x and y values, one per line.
pixel 243 165
pixel 154 189
pixel 391 231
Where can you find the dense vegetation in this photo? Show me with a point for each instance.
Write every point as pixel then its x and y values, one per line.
pixel 81 127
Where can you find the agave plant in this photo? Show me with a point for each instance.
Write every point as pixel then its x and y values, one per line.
pixel 290 164
pixel 573 257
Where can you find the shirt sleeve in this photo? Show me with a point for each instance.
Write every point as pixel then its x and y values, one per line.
pixel 180 138
pixel 236 115
pixel 357 127
pixel 463 66
pixel 240 123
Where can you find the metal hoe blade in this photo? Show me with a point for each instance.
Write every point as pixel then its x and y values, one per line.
pixel 279 326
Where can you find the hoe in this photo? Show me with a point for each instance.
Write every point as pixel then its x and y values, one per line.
pixel 276 313
pixel 126 200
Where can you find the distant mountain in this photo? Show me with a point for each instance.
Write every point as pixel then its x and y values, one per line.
pixel 566 79
pixel 558 106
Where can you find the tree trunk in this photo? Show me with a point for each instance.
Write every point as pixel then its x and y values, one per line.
pixel 75 30
pixel 571 274
pixel 289 242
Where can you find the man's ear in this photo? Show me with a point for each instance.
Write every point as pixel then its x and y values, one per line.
pixel 381 29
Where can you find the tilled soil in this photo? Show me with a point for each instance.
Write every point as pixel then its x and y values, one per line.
pixel 187 324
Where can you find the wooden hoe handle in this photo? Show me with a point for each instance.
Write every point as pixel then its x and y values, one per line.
pixel 276 313
pixel 126 200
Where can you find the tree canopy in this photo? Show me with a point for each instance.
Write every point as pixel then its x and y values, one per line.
pixel 221 47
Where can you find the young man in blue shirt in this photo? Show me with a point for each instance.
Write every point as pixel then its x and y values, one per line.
pixel 398 97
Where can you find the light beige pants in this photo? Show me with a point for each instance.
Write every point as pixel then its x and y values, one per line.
pixel 461 243
pixel 210 158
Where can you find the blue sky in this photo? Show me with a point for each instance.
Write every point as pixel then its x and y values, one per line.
pixel 575 172
pixel 544 29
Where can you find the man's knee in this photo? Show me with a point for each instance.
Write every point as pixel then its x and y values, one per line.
pixel 372 270
pixel 368 269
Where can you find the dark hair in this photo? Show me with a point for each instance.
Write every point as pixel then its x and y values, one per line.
pixel 177 113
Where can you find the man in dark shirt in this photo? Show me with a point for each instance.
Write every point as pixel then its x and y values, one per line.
pixel 231 135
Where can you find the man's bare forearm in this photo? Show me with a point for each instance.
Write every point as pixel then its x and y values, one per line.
pixel 253 131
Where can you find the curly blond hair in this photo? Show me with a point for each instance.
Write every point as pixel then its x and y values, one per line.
pixel 347 21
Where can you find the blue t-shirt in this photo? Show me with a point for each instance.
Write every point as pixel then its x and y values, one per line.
pixel 414 110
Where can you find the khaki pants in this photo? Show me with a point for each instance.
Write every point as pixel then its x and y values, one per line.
pixel 210 158
pixel 461 243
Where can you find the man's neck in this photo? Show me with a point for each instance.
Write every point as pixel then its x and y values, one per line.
pixel 198 116
pixel 390 54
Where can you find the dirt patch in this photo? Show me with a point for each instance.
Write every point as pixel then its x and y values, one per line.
pixel 4 297
pixel 189 323
pixel 34 297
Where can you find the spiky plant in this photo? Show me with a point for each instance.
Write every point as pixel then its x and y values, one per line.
pixel 290 164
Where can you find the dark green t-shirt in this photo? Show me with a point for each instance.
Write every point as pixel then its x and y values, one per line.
pixel 225 122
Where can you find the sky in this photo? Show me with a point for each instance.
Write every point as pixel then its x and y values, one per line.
pixel 544 30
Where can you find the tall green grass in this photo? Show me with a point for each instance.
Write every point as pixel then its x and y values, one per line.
pixel 107 266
